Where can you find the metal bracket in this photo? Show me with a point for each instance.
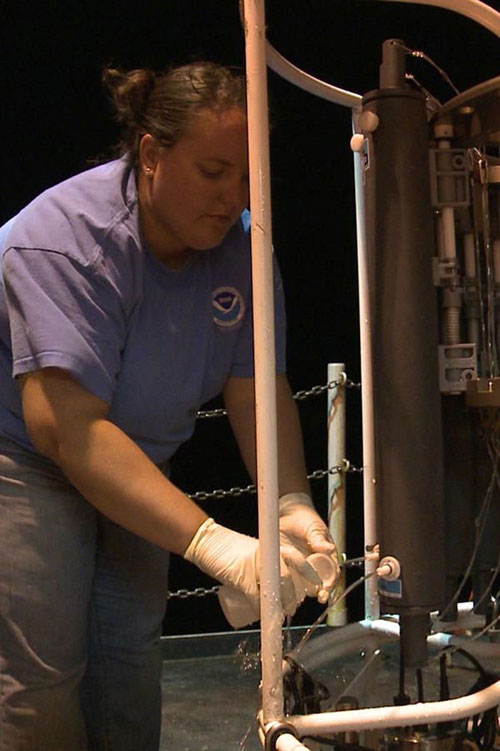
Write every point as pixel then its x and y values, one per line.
pixel 457 366
pixel 449 178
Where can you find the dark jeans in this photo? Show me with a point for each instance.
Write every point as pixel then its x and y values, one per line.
pixel 81 606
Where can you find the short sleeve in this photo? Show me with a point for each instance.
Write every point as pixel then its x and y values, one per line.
pixel 64 314
pixel 243 364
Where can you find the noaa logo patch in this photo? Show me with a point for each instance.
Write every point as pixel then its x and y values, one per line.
pixel 228 306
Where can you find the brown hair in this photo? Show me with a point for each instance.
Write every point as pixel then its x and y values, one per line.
pixel 162 104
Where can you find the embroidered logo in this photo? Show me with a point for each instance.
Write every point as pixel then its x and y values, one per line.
pixel 228 306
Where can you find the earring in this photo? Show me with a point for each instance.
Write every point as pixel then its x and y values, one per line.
pixel 149 171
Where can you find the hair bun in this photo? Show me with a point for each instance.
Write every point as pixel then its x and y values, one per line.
pixel 129 92
pixel 162 104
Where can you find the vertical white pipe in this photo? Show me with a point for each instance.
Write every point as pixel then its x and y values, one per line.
pixel 264 345
pixel 447 245
pixel 372 604
pixel 449 250
pixel 336 483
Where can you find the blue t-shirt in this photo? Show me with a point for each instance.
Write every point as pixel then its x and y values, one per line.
pixel 81 291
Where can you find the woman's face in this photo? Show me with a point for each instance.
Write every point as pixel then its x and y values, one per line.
pixel 192 193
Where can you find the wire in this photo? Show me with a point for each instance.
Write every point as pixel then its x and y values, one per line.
pixel 480 524
pixel 487 628
pixel 483 727
pixel 423 56
pixel 327 610
pixel 348 689
pixel 444 686
pixel 489 587
pixel 353 561
pixel 492 444
pixel 420 685
pixel 475 662
pixel 433 104
pixel 402 697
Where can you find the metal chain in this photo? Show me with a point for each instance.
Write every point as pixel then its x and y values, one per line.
pixel 203 414
pixel 183 594
pixel 205 495
pixel 315 390
pixel 198 592
pixel 318 474
pixel 299 396
pixel 354 563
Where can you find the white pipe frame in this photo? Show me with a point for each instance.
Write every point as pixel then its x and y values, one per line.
pixel 287 742
pixel 368 636
pixel 265 360
pixel 480 12
pixel 303 80
pixel 372 604
pixel 272 689
pixel 336 482
pixel 398 716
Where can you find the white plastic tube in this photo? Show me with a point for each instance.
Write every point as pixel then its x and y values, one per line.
pixel 481 12
pixel 265 368
pixel 369 635
pixel 288 742
pixel 480 649
pixel 284 742
pixel 309 83
pixel 336 483
pixel 411 714
pixel 372 605
pixel 448 248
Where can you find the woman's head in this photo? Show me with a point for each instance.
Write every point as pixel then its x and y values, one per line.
pixel 185 134
pixel 164 104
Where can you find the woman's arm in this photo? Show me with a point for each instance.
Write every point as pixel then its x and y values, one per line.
pixel 239 401
pixel 69 425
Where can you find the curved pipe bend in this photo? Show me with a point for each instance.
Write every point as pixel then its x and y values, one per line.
pixel 480 12
pixel 476 10
pixel 309 83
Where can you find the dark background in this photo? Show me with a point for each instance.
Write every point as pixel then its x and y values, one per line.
pixel 54 117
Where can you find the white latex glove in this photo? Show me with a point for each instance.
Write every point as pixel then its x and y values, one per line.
pixel 233 559
pixel 301 526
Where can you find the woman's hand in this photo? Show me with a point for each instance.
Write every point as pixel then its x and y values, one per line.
pixel 233 559
pixel 301 526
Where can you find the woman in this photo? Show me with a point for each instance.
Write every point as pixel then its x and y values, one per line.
pixel 126 305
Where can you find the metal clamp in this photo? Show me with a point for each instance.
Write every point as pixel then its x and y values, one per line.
pixel 273 732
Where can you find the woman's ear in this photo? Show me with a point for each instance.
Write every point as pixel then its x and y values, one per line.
pixel 148 155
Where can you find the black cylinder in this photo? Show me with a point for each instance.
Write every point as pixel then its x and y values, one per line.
pixel 409 456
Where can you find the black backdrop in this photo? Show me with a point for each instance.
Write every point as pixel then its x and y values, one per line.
pixel 54 117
